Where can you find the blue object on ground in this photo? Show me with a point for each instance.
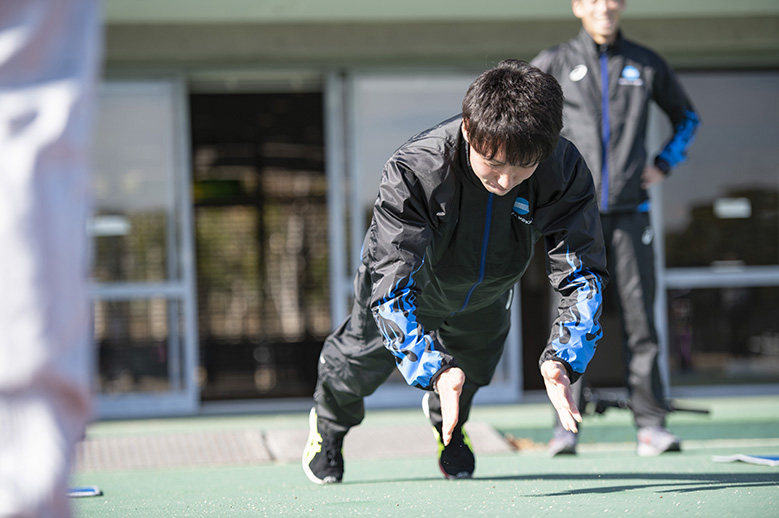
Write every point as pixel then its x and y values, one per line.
pixel 768 460
pixel 80 492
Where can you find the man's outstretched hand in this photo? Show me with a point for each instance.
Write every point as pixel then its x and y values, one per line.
pixel 558 388
pixel 449 386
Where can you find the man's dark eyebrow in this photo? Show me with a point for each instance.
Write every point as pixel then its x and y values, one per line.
pixel 492 158
pixel 496 161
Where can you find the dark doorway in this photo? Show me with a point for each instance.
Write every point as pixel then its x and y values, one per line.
pixel 262 240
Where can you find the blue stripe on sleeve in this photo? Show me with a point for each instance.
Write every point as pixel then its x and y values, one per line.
pixel 418 361
pixel 675 152
pixel 579 330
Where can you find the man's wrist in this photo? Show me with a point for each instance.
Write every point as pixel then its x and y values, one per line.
pixel 663 166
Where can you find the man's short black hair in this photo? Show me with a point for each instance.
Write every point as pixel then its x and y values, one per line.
pixel 515 105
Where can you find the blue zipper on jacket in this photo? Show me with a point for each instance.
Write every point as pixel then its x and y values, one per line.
pixel 605 131
pixel 483 259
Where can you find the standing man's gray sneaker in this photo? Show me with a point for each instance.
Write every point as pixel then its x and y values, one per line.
pixel 654 440
pixel 563 442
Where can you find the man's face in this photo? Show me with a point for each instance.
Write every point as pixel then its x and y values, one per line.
pixel 600 18
pixel 497 176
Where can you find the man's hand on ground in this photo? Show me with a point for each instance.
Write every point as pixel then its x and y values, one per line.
pixel 558 388
pixel 449 386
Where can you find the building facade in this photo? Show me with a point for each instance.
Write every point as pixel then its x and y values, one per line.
pixel 239 147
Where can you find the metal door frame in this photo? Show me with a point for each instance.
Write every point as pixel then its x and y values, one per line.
pixel 183 398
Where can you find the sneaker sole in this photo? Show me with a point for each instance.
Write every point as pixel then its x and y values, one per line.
pixel 426 405
pixel 564 450
pixel 644 450
pixel 463 475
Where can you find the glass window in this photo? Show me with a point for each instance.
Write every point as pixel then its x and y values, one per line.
pixel 722 207
pixel 144 328
pixel 134 183
pixel 390 109
pixel 133 340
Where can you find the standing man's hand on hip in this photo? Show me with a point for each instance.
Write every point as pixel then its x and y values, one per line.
pixel 651 176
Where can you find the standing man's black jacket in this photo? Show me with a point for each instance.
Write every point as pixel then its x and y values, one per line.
pixel 615 126
pixel 440 245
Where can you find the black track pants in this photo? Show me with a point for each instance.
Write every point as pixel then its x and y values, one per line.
pixel 354 361
pixel 630 256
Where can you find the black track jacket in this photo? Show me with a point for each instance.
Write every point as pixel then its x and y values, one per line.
pixel 607 93
pixel 440 244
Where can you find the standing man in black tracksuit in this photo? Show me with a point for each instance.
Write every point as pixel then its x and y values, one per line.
pixel 459 209
pixel 608 83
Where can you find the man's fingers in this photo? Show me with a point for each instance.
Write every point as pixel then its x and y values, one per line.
pixel 450 385
pixel 568 420
pixel 566 409
pixel 450 410
pixel 450 413
pixel 558 388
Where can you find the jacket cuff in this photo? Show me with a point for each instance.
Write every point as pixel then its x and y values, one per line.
pixel 572 374
pixel 444 367
pixel 664 166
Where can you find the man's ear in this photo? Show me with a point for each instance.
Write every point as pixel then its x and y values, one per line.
pixel 464 128
pixel 576 7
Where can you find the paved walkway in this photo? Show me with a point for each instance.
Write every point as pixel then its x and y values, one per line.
pixel 179 449
pixel 249 466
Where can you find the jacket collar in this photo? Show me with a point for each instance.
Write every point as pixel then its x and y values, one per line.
pixel 465 163
pixel 595 49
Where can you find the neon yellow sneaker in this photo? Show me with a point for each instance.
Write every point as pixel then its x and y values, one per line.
pixel 455 460
pixel 323 460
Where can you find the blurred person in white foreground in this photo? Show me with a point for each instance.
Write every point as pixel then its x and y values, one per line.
pixel 49 56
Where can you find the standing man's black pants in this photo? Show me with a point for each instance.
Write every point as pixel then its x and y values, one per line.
pixel 630 255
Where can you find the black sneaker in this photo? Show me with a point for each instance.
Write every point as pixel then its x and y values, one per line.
pixel 456 460
pixel 323 460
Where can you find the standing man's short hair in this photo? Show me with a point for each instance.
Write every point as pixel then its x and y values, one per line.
pixel 515 105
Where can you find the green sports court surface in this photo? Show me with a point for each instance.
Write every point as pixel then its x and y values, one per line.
pixel 249 466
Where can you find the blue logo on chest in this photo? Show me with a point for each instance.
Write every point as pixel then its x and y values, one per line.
pixel 521 206
pixel 631 76
pixel 521 210
pixel 630 72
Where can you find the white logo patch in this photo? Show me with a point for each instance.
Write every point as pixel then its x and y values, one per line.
pixel 647 236
pixel 578 73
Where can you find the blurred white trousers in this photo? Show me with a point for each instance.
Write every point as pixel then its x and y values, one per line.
pixel 49 60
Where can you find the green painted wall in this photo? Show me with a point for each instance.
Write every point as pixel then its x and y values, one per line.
pixel 428 33
pixel 328 11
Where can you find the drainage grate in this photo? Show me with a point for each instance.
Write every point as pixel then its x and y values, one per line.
pixel 172 450
pixel 181 450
